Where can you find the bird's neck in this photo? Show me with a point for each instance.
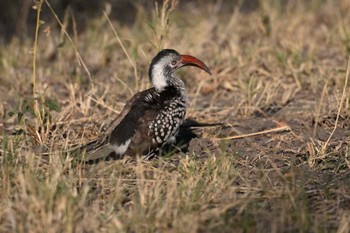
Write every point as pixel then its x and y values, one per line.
pixel 177 83
pixel 175 88
pixel 162 82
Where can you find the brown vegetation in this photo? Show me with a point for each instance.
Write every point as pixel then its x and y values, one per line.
pixel 278 64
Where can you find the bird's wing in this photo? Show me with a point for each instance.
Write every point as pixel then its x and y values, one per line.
pixel 130 130
pixel 142 141
pixel 98 149
pixel 126 109
pixel 133 129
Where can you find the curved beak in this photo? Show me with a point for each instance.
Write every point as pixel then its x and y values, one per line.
pixel 188 60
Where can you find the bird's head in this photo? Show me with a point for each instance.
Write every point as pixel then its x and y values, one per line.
pixel 166 62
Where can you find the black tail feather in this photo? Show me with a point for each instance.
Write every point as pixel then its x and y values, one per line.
pixel 190 123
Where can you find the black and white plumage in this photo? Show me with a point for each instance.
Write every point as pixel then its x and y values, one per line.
pixel 152 117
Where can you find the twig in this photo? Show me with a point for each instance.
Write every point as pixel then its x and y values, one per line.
pixel 124 50
pixel 80 59
pixel 105 105
pixel 35 48
pixel 274 130
pixel 324 147
pixel 318 113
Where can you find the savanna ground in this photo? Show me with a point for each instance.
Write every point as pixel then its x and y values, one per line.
pixel 276 64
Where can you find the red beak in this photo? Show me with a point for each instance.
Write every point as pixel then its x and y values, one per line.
pixel 188 60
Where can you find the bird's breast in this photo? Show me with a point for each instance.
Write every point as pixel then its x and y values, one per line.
pixel 167 121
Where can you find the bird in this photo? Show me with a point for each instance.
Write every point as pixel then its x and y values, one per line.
pixel 151 119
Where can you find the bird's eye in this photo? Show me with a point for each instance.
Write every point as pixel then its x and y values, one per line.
pixel 173 63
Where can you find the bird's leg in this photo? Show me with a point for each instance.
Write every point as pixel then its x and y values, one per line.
pixel 153 154
pixel 148 156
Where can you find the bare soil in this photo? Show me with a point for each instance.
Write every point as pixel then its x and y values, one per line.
pixel 273 66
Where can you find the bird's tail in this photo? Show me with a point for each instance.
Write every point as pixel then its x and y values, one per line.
pixel 190 123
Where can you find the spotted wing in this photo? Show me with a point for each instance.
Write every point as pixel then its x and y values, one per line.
pixel 143 140
pixel 132 120
pixel 100 148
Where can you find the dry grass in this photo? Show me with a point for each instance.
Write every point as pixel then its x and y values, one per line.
pixel 279 64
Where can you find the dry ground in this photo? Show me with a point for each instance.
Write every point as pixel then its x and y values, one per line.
pixel 274 65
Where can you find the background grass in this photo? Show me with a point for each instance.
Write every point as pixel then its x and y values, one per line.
pixel 273 62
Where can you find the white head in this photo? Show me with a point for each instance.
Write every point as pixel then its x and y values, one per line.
pixel 165 63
